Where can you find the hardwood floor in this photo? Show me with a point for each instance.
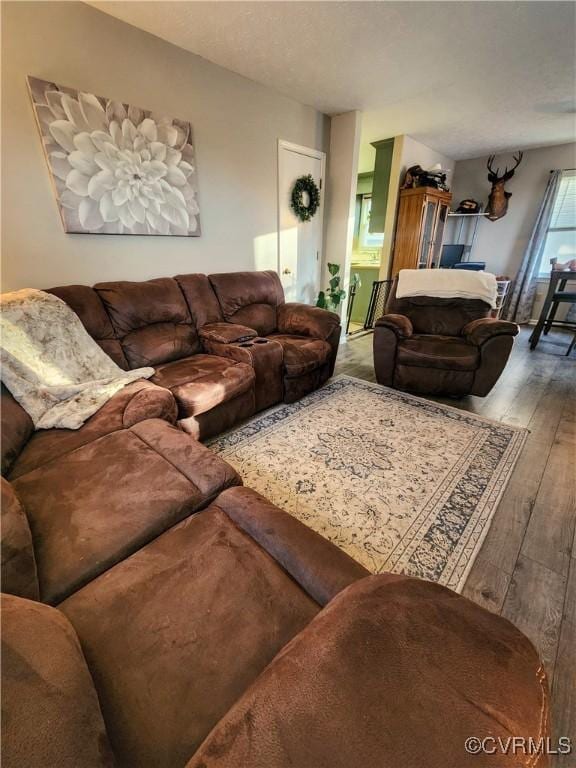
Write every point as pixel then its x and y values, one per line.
pixel 526 569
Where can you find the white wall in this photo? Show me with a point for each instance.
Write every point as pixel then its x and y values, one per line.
pixel 236 125
pixel 342 179
pixel 415 153
pixel 501 244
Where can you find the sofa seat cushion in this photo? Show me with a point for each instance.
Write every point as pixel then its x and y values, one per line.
pixel 201 382
pixel 446 352
pixel 92 507
pixel 50 710
pixel 176 633
pixel 302 354
pixel 136 402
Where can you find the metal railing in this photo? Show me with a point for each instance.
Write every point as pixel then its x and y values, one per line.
pixel 376 305
pixel 351 297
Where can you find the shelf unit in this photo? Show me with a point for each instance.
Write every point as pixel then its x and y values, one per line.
pixel 467 236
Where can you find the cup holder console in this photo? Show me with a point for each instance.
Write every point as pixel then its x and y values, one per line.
pixel 251 343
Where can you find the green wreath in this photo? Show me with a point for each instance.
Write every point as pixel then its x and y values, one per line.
pixel 305 184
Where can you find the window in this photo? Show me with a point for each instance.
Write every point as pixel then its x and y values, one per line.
pixel 560 240
pixel 368 239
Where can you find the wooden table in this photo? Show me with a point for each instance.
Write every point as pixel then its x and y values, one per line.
pixel 557 294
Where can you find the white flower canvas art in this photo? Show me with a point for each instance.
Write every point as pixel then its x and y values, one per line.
pixel 116 169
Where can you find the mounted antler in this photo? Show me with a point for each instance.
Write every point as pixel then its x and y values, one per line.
pixel 509 173
pixel 498 200
pixel 493 174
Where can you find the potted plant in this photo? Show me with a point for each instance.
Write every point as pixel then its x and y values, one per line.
pixel 332 297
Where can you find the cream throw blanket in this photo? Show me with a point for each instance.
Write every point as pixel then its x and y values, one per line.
pixel 447 284
pixel 51 365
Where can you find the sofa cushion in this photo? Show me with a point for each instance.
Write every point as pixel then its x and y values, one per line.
pixel 200 298
pixel 92 507
pixel 152 320
pixel 249 298
pixel 50 710
pixel 202 382
pixel 444 352
pixel 19 576
pixel 89 308
pixel 177 632
pixel 303 320
pixel 17 429
pixel 136 402
pixel 302 353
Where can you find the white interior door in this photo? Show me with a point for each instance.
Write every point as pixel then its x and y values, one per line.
pixel 299 242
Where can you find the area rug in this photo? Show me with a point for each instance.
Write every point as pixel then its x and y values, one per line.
pixel 401 483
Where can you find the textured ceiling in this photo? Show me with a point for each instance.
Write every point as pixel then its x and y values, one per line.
pixel 465 78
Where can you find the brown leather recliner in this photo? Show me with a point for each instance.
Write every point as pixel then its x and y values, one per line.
pixel 437 346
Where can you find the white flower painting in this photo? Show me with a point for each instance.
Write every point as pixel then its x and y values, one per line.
pixel 117 169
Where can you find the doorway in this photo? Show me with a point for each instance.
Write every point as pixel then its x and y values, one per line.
pixel 299 242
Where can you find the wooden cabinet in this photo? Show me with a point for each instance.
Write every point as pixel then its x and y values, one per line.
pixel 422 214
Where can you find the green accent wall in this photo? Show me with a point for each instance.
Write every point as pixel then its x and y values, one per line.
pixel 382 168
pixel 363 293
pixel 364 184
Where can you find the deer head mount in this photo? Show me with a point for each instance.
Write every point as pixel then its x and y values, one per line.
pixel 498 199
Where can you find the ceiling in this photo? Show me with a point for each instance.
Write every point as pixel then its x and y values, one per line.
pixel 464 78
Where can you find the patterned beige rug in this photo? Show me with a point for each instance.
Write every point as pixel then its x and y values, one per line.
pixel 400 483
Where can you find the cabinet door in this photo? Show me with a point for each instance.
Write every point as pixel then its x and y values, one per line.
pixel 430 208
pixel 439 234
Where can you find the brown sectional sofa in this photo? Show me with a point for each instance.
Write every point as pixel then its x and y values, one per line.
pixel 197 623
pixel 224 345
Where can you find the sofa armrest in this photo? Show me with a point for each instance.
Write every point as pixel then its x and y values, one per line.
pixel 400 324
pixel 144 401
pixel 18 562
pixel 137 401
pixel 320 568
pixel 304 320
pixel 201 466
pixel 50 709
pixel 348 689
pixel 479 331
pixel 226 333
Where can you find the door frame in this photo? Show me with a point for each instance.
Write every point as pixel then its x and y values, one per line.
pixel 317 155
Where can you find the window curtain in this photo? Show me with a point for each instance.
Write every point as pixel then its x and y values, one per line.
pixel 522 299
